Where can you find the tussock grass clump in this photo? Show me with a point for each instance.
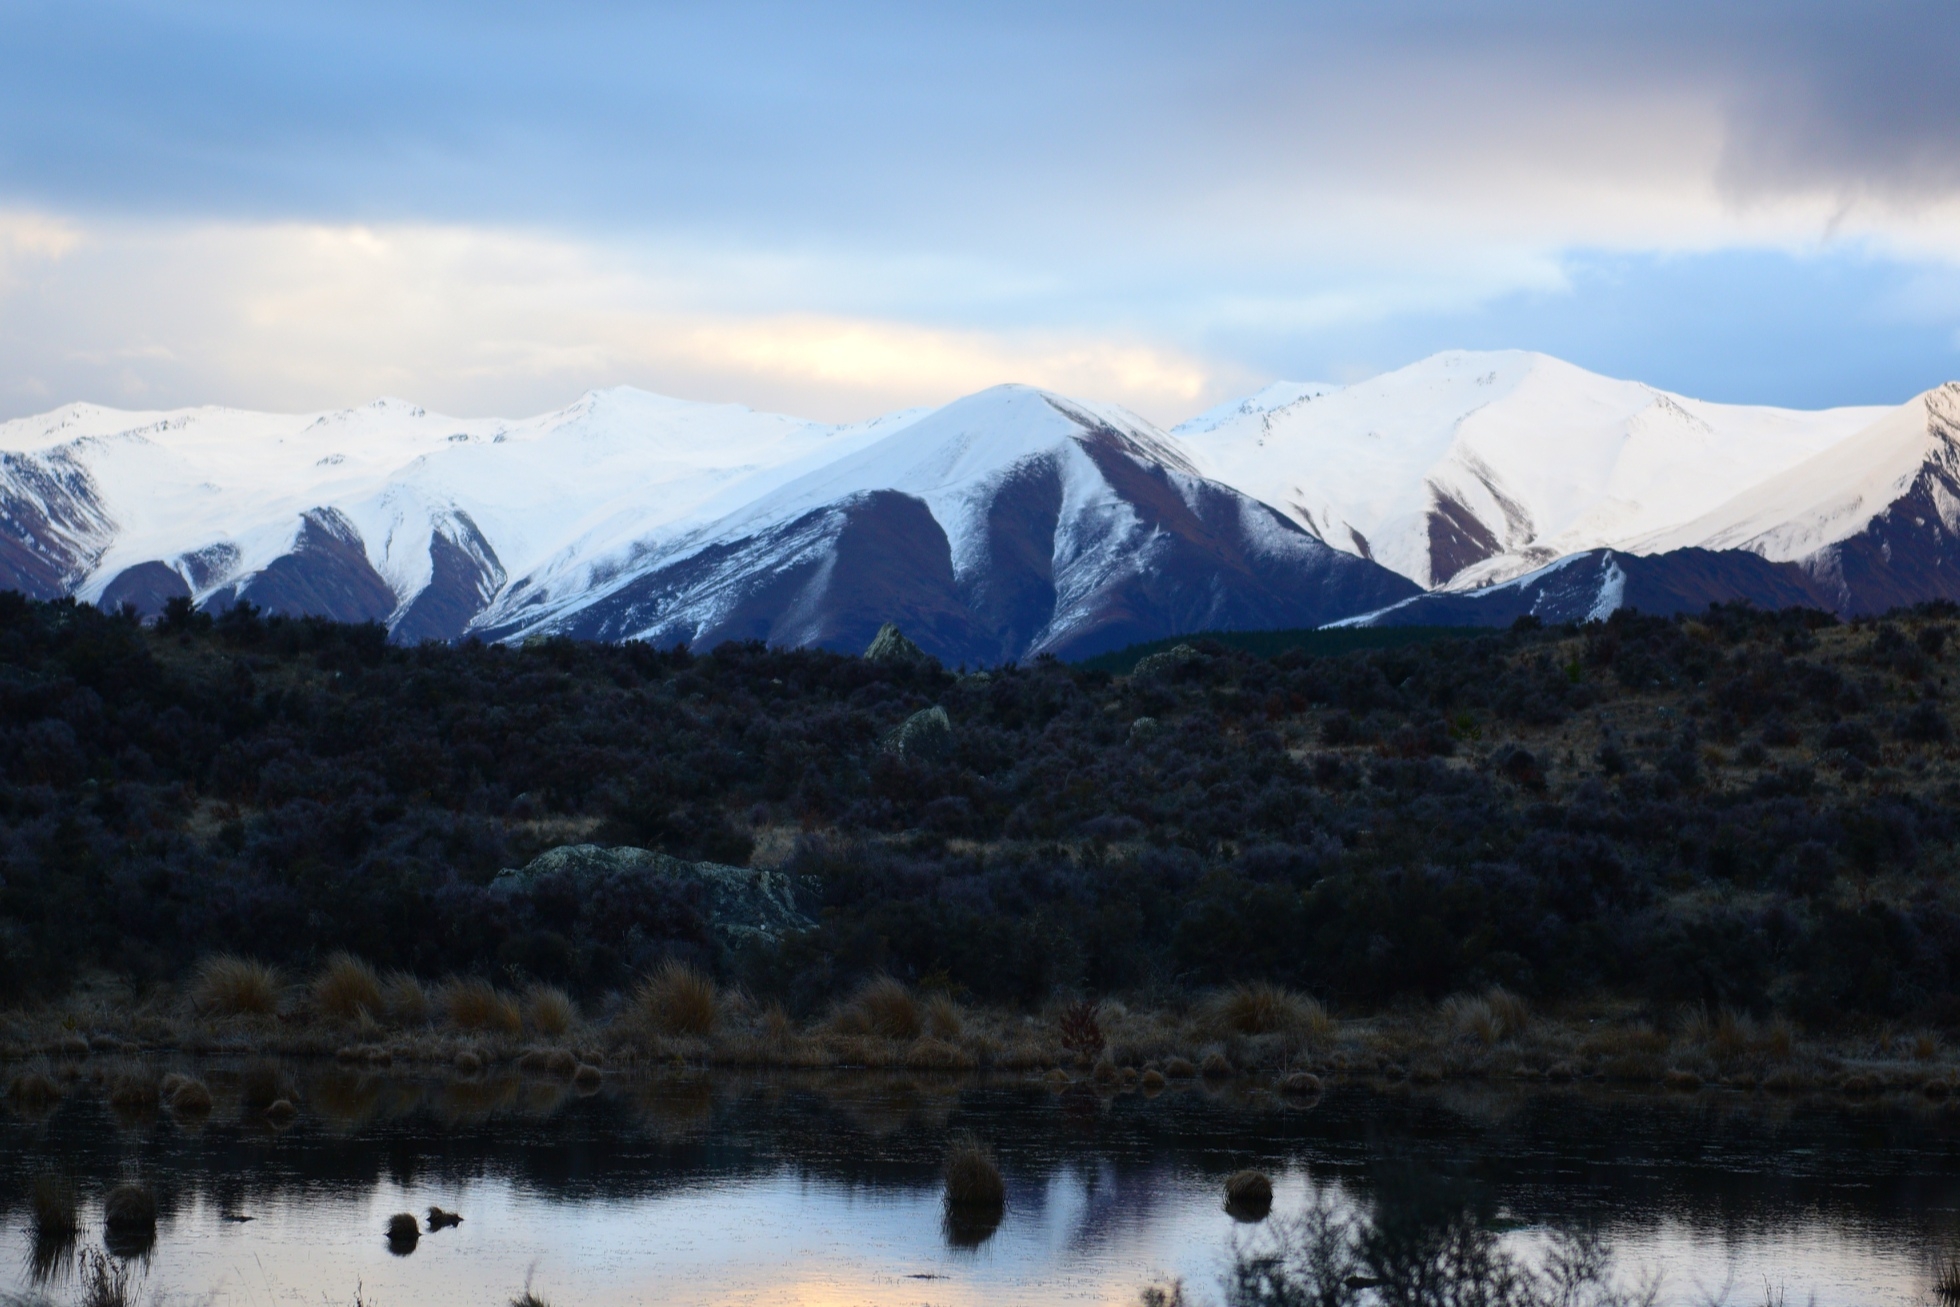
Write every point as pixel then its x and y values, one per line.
pixel 1263 1009
pixel 944 1020
pixel 1180 1068
pixel 1490 1017
pixel 33 1091
pixel 231 986
pixel 1248 1195
pixel 261 1085
pixel 348 989
pixel 972 1176
pixel 549 1010
pixel 406 1000
pixel 889 1010
pixel 130 1206
pixel 1946 1278
pixel 134 1090
pixel 1152 1081
pixel 678 1000
pixel 1215 1067
pixel 404 1229
pixel 55 1208
pixel 189 1098
pixel 476 1005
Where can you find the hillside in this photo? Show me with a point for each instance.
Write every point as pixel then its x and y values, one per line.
pixel 1737 809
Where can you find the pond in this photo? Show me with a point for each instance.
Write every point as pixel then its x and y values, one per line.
pixel 825 1189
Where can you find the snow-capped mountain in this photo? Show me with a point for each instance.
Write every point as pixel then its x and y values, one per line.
pixel 1593 585
pixel 1009 523
pixel 1469 468
pixel 1874 520
pixel 386 512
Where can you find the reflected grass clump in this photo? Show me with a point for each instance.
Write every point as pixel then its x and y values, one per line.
pixel 404 1232
pixel 973 1177
pixel 1420 1245
pixel 976 1196
pixel 1248 1195
pixel 105 1281
pixel 54 1208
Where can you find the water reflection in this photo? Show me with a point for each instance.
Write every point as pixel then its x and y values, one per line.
pixel 826 1188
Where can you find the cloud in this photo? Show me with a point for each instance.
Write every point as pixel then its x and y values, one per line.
pixel 838 208
pixel 472 321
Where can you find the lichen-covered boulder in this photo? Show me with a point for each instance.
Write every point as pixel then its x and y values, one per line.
pixel 926 734
pixel 742 905
pixel 891 646
pixel 1167 660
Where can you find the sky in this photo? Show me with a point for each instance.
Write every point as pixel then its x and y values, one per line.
pixel 836 210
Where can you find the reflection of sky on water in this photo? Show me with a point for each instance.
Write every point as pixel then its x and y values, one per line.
pixel 1081 1235
pixel 781 1198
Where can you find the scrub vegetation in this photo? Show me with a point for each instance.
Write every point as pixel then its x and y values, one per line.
pixel 1700 846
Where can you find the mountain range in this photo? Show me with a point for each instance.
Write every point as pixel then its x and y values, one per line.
pixel 1468 488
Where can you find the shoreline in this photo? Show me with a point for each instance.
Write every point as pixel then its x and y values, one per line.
pixel 678 1021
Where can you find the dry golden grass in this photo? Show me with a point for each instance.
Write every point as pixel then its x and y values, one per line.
pixel 678 1000
pixel 1263 1009
pixel 888 1009
pixel 347 989
pixel 1491 1017
pixel 476 1005
pixel 943 1017
pixel 549 1010
pixel 228 986
pixel 406 1000
pixel 972 1176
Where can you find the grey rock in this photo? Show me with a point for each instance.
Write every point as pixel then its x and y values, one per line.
pixel 891 646
pixel 744 904
pixel 1167 661
pixel 1143 728
pixel 926 734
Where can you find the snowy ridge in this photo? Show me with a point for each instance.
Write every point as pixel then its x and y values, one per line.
pixel 1007 523
pixel 1468 468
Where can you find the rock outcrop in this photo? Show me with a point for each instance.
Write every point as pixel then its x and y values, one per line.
pixel 743 905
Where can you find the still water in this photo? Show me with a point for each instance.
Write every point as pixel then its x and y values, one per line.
pixel 824 1189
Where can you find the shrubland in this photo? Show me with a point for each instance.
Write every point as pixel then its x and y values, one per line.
pixel 1739 813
